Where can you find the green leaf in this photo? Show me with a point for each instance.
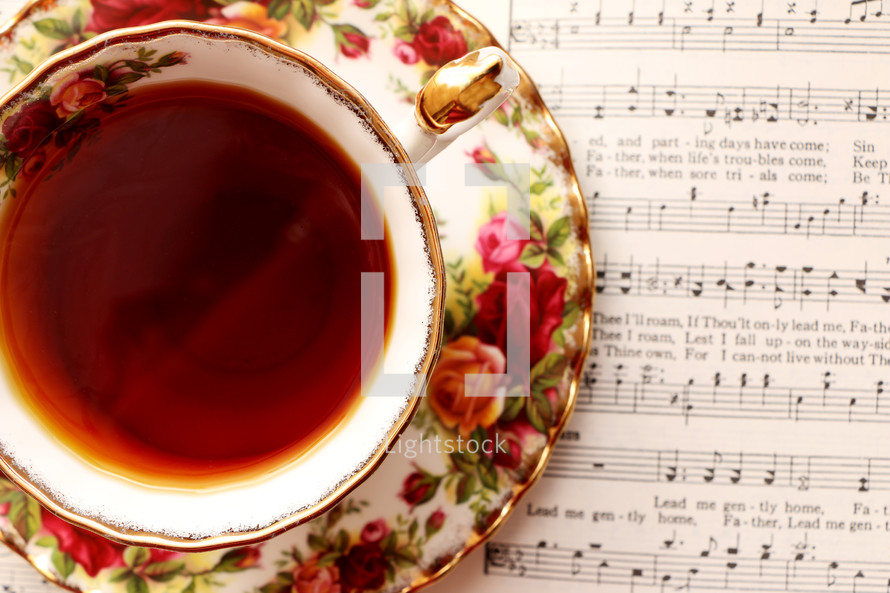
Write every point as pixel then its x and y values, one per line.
pixel 100 73
pixel 488 473
pixel 63 563
pixel 501 117
pixel 137 585
pixel 512 407
pixel 230 560
pixel 328 559
pixel 428 15
pixel 539 412
pixel 341 542
pixel 383 16
pixel 192 587
pixel 278 9
pixel 318 543
pixel 570 314
pixel 129 78
pixel 412 530
pixel 115 89
pixel 559 231
pixel 532 255
pixel 537 230
pixel 465 488
pixel 548 371
pixel 389 542
pixel 479 435
pixel 538 187
pixel 516 118
pixel 405 33
pixel 24 513
pixel 405 559
pixel 164 571
pixel 77 21
pixel 121 573
pixel 47 541
pixel 464 461
pixel 555 257
pixel 304 11
pixel 53 28
pixel 135 556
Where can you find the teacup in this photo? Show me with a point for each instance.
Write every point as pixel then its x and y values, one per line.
pixel 61 437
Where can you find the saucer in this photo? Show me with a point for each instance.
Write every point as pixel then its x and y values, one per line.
pixel 464 463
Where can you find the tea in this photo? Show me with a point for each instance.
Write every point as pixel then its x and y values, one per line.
pixel 181 298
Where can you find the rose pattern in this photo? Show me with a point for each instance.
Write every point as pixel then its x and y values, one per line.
pixel 368 557
pixel 90 551
pixel 446 392
pixel 312 578
pixel 545 310
pixel 76 92
pixel 117 14
pixel 250 16
pixel 30 127
pixel 362 568
pixel 438 42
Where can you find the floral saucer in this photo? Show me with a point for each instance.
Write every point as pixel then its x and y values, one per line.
pixel 464 463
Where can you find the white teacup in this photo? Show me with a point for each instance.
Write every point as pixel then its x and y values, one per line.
pixel 251 508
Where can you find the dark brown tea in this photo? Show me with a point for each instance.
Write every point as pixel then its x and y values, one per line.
pixel 181 299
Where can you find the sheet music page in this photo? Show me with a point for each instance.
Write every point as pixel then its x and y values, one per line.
pixel 732 427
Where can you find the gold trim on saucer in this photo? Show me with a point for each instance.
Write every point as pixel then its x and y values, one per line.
pixel 337 85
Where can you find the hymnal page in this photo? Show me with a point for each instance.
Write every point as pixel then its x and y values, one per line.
pixel 733 422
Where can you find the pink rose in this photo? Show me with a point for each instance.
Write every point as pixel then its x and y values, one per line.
pixel 406 53
pixel 250 16
pixel 30 127
pixel 497 245
pixel 90 551
pixel 116 14
pixel 4 508
pixel 483 155
pixel 312 578
pixel 547 292
pixel 375 531
pixel 438 42
pixel 74 92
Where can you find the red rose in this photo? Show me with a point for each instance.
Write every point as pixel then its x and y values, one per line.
pixel 29 127
pixel 351 42
pixel 115 14
pixel 498 245
pixel 508 454
pixel 437 42
pixel 547 291
pixel 482 155
pixel 363 567
pixel 419 488
pixel 434 522
pixel 4 508
pixel 90 551
pixel 375 531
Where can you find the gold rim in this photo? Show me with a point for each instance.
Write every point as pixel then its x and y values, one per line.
pixel 529 92
pixel 422 206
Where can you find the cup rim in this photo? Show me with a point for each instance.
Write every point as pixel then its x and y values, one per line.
pixel 381 129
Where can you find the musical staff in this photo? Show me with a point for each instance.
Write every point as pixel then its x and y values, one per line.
pixel 745 283
pixel 763 214
pixel 668 570
pixel 17 577
pixel 747 399
pixel 690 33
pixel 733 105
pixel 734 468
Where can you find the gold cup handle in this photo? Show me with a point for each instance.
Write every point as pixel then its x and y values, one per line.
pixel 459 95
